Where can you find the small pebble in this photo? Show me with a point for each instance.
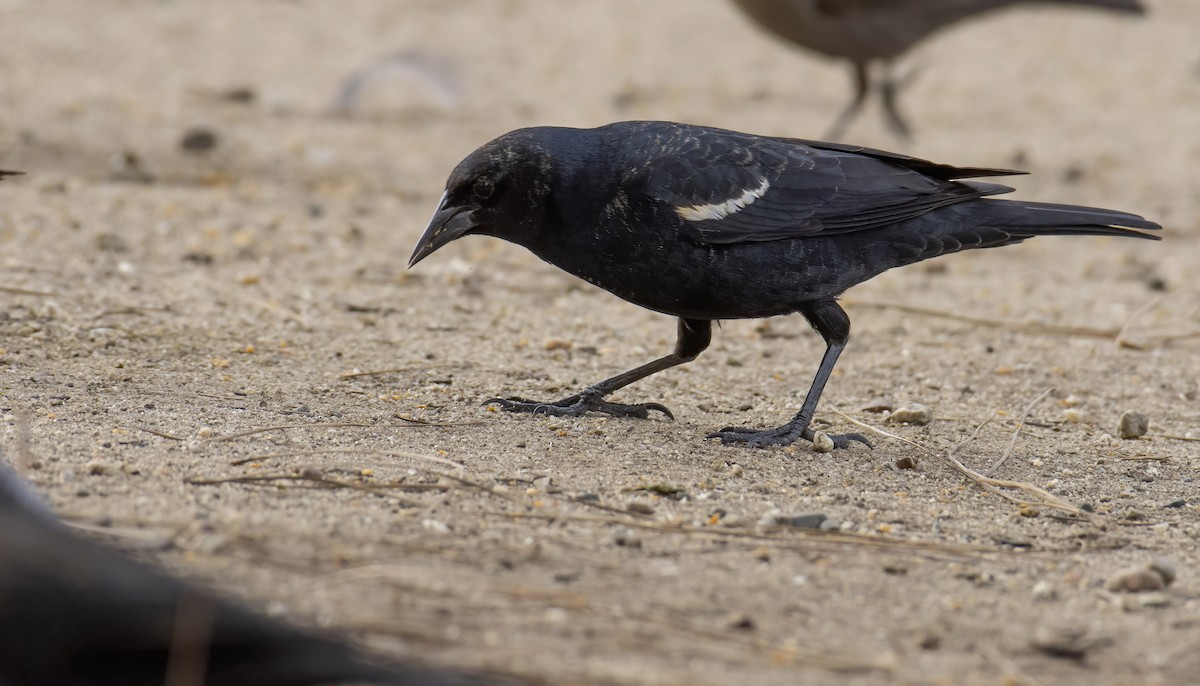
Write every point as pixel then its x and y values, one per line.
pixel 912 413
pixel 877 406
pixel 640 507
pixel 822 443
pixel 742 623
pixel 1155 599
pixel 1044 590
pixel 198 140
pixel 906 463
pixel 1071 401
pixel 243 95
pixel 1165 568
pixel 1067 643
pixel 96 468
pixel 1133 425
pixel 626 539
pixel 800 520
pixel 1136 580
pixel 1075 415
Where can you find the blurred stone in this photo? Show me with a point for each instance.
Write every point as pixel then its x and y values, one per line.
pixel 1133 425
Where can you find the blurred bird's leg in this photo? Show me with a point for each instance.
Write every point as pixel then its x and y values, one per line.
pixel 889 90
pixel 694 336
pixel 862 85
pixel 830 320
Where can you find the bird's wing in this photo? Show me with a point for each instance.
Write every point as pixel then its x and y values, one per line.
pixel 734 188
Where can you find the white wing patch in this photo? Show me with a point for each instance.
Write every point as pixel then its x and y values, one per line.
pixel 699 213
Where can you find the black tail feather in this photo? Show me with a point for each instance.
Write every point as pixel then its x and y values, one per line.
pixel 1132 6
pixel 1028 219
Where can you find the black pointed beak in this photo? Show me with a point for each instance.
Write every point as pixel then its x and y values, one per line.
pixel 447 224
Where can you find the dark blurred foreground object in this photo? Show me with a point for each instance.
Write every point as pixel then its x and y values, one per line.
pixel 75 613
pixel 707 224
pixel 866 31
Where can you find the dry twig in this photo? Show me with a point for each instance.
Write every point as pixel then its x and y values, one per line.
pixel 28 291
pixel 1016 434
pixel 1039 497
pixel 350 451
pixel 153 432
pixel 324 481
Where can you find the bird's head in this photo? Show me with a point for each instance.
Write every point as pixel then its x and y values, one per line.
pixel 500 190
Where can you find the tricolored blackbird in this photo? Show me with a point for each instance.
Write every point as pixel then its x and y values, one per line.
pixel 76 613
pixel 708 224
pixel 866 31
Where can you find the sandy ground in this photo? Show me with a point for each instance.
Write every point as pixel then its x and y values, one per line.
pixel 158 305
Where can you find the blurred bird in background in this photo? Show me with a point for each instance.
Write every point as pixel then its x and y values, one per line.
pixel 869 31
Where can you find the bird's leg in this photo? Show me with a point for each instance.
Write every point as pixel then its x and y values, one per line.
pixel 694 336
pixel 889 89
pixel 830 320
pixel 862 85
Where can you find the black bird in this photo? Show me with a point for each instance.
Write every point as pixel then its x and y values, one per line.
pixel 707 224
pixel 867 31
pixel 75 613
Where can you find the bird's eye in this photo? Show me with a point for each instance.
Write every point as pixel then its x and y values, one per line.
pixel 483 189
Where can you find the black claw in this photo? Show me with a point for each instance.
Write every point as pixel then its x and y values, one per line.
pixel 502 401
pixel 732 430
pixel 641 410
pixel 660 408
pixel 844 440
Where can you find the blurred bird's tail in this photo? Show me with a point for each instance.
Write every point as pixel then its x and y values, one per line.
pixel 1132 6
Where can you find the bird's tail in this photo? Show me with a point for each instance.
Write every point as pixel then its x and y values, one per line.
pixel 1028 219
pixel 990 223
pixel 1132 6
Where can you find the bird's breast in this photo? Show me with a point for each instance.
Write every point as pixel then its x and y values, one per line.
pixel 662 271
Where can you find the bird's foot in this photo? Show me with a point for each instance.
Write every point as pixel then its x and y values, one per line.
pixel 578 405
pixel 782 435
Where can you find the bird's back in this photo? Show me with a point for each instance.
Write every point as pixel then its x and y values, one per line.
pixel 708 223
